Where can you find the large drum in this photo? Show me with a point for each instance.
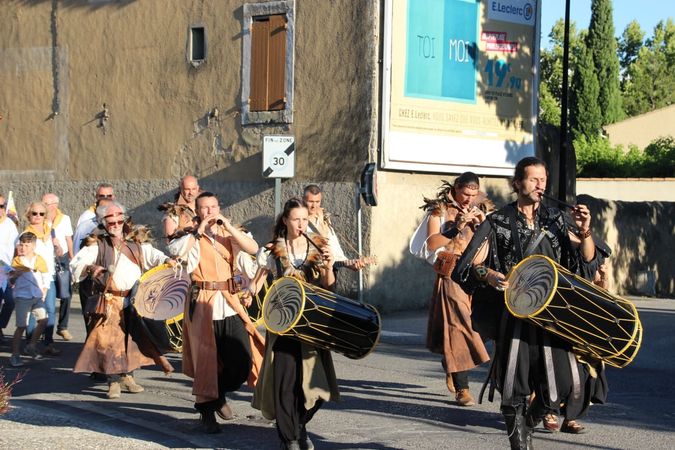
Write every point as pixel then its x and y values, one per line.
pixel 159 302
pixel 595 322
pixel 321 318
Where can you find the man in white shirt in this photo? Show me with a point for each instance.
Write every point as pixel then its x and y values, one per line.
pixel 319 223
pixel 62 230
pixel 8 235
pixel 103 191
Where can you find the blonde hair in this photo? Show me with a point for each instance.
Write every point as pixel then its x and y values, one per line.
pixel 30 206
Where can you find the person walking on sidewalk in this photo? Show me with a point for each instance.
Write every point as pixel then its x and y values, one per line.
pixel 8 235
pixel 62 230
pixel 453 216
pixel 31 280
pixel 115 264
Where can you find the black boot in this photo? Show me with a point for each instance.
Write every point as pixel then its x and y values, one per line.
pixel 520 435
pixel 209 423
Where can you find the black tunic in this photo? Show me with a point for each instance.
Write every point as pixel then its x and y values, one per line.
pixel 527 358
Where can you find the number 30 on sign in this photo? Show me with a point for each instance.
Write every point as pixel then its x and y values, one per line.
pixel 278 156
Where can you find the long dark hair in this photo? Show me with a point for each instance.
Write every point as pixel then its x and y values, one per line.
pixel 280 226
pixel 446 189
pixel 519 173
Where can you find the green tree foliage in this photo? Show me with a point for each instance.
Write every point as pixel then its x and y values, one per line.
pixel 585 114
pixel 649 81
pixel 603 47
pixel 550 85
pixel 596 157
pixel 630 43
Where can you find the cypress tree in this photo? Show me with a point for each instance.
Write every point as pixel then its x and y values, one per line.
pixel 585 112
pixel 602 45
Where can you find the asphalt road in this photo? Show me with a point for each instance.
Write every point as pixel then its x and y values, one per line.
pixel 393 399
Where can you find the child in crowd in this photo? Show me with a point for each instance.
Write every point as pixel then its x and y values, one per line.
pixel 31 282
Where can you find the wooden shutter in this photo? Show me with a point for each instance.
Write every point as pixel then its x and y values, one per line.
pixel 277 64
pixel 259 56
pixel 268 63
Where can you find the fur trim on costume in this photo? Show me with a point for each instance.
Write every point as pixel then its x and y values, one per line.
pixel 311 264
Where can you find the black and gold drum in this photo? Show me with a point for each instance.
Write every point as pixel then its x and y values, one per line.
pixel 321 318
pixel 159 303
pixel 595 322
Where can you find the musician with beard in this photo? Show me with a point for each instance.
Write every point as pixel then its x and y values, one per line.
pixel 528 359
pixel 115 264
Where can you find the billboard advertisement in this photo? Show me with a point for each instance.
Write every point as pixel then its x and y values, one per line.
pixel 459 85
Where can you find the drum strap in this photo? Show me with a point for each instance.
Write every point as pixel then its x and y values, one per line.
pixel 574 368
pixel 507 393
pixel 550 369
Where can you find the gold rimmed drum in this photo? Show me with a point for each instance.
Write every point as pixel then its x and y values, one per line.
pixel 595 322
pixel 321 318
pixel 159 303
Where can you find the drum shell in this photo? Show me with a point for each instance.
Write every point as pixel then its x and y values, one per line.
pixel 596 323
pixel 165 335
pixel 323 319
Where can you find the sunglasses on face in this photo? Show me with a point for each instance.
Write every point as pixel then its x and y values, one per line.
pixel 2 205
pixel 119 222
pixel 35 213
pixel 102 196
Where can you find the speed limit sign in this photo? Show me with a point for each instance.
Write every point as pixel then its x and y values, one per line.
pixel 278 156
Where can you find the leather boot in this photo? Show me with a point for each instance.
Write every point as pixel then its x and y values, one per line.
pixel 114 390
pixel 520 435
pixel 464 398
pixel 129 384
pixel 208 421
pixel 304 441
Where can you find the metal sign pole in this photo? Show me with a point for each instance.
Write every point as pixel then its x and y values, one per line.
pixel 359 227
pixel 277 197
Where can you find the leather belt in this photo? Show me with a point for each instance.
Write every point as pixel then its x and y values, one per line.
pixel 228 285
pixel 119 293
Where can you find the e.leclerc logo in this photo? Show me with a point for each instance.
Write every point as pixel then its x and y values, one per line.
pixel 527 11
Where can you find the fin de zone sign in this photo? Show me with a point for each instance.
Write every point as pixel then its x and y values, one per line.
pixel 278 156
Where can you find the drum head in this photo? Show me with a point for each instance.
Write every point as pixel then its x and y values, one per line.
pixel 162 293
pixel 283 305
pixel 532 283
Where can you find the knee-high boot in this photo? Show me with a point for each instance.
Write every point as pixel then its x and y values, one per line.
pixel 520 435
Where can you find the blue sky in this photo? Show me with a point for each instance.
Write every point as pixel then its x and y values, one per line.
pixel 646 12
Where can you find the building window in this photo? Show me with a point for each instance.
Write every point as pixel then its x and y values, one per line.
pixel 197 45
pixel 267 69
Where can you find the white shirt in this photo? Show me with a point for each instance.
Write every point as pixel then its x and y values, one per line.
pixel 178 247
pixel 63 230
pixel 83 230
pixel 333 242
pixel 8 235
pixel 46 250
pixel 88 214
pixel 126 272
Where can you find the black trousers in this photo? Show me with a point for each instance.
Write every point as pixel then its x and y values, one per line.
pixel 234 355
pixel 461 379
pixel 289 399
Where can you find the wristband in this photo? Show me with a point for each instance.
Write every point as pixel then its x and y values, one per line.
pixel 451 233
pixel 584 234
pixel 481 272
